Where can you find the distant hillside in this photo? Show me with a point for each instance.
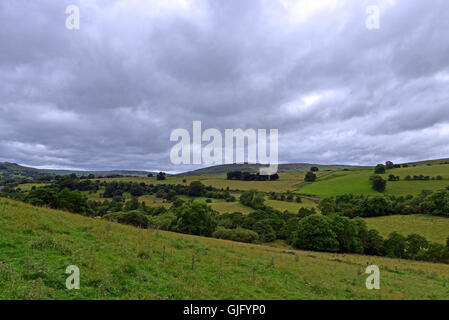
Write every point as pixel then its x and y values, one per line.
pixel 102 173
pixel 8 169
pixel 253 168
pixel 428 162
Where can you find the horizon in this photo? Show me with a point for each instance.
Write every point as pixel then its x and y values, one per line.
pixel 205 167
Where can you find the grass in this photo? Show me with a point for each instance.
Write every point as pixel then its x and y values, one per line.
pixel 288 181
pixel 357 182
pixel 117 261
pixel 434 229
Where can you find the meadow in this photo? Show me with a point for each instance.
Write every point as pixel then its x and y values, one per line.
pixel 435 229
pixel 357 182
pixel 123 262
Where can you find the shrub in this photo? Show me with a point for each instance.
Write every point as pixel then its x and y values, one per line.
pixel 162 221
pixel 134 218
pixel 239 234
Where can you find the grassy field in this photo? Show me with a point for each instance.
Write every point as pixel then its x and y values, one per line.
pixel 357 182
pixel 288 181
pixel 435 229
pixel 117 261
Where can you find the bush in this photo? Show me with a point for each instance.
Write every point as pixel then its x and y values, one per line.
pixel 239 234
pixel 162 221
pixel 135 218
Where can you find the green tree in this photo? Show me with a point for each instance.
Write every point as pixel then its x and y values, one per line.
pixel 315 233
pixel 195 218
pixel 253 199
pixel 196 189
pixel 265 231
pixel 161 176
pixel 379 169
pixel 415 243
pixel 378 183
pixel 346 231
pixel 373 243
pixel 395 245
pixel 310 177
pixel 389 165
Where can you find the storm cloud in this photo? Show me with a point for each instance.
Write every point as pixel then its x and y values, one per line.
pixel 108 95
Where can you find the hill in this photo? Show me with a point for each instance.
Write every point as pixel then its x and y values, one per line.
pixel 118 261
pixel 357 181
pixel 254 168
pixel 80 173
pixel 8 169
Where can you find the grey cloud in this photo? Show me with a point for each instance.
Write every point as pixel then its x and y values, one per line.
pixel 108 96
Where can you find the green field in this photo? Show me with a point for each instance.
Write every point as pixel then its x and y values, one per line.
pixel 434 229
pixel 118 261
pixel 357 182
pixel 288 181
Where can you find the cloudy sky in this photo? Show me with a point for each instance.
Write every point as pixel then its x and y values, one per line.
pixel 108 95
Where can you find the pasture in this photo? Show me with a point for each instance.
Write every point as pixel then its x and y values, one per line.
pixel 118 261
pixel 434 229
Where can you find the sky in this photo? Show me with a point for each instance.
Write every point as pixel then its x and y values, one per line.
pixel 107 95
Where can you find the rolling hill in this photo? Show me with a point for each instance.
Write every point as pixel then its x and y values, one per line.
pixel 254 168
pixel 14 169
pixel 122 262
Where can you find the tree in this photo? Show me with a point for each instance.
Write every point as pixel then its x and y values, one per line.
pixel 195 218
pixel 314 169
pixel 196 189
pixel 373 243
pixel 379 169
pixel 161 176
pixel 310 177
pixel 150 175
pixel 315 233
pixel 346 231
pixel 378 183
pixel 264 230
pixel 389 165
pixel 415 243
pixel 395 245
pixel 253 199
pixel 132 204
